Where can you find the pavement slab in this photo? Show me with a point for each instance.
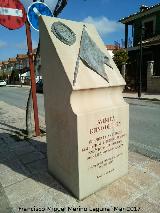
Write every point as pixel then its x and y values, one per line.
pixel 137 159
pixel 12 171
pixel 120 193
pixel 145 206
pixel 31 157
pixel 142 179
pixel 153 194
pixel 22 190
pixel 27 186
pixel 47 181
pixel 12 178
pixel 153 168
pixel 4 203
pixel 12 165
pixel 22 147
pixel 38 166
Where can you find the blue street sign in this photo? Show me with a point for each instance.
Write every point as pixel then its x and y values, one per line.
pixel 34 11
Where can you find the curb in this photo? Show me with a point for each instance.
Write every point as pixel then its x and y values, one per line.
pixel 146 150
pixel 147 99
pixel 19 86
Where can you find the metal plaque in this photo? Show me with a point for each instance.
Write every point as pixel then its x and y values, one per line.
pixel 92 57
pixel 63 33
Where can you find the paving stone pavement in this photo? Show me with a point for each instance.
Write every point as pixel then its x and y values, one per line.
pixel 26 185
pixel 144 96
pixel 4 203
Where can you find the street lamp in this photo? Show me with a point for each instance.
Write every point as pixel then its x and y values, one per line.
pixel 141 63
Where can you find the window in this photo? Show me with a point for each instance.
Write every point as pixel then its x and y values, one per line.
pixel 149 25
pixel 148 29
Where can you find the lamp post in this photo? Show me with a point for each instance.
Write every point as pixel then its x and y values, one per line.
pixel 140 64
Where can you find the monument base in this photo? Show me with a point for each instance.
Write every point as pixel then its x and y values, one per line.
pixel 99 154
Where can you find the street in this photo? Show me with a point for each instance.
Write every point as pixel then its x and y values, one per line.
pixel 17 96
pixel 144 126
pixel 144 118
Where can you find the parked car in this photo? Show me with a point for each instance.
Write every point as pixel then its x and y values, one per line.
pixel 39 86
pixel 3 83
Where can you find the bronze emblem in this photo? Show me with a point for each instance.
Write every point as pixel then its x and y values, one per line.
pixel 63 33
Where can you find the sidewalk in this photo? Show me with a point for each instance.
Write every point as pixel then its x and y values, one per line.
pixel 145 96
pixel 18 85
pixel 26 185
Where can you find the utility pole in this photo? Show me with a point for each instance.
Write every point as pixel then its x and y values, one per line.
pixel 32 74
pixel 140 63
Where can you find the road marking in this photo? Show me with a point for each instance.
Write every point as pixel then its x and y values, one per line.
pixel 10 12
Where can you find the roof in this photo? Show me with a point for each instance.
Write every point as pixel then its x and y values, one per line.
pixel 22 56
pixel 12 60
pixel 112 47
pixel 144 10
pixel 5 62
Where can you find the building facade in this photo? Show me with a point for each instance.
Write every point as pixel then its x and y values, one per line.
pixel 111 48
pixel 14 68
pixel 145 26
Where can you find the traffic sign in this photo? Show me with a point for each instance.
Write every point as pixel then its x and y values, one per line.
pixel 12 14
pixel 34 11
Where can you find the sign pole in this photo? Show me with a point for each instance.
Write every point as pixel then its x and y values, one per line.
pixel 32 74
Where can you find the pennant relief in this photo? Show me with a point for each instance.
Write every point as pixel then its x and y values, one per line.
pixel 89 53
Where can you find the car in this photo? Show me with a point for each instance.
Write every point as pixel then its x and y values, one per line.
pixel 3 83
pixel 39 86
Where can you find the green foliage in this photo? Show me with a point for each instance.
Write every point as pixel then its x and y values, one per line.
pixel 3 75
pixel 120 57
pixel 15 75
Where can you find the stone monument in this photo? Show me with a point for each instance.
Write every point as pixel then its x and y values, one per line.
pixel 86 117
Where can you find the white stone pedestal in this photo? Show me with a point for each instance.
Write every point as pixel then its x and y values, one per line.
pixel 87 123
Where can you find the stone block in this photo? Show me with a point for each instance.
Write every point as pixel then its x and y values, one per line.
pixel 86 115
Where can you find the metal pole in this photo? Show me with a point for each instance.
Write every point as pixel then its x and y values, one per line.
pixel 32 74
pixel 20 72
pixel 140 66
pixel 126 36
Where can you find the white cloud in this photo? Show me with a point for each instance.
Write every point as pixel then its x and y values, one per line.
pixel 34 44
pixel 104 25
pixel 3 44
pixel 23 45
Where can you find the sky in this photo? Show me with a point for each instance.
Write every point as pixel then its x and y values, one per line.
pixel 104 14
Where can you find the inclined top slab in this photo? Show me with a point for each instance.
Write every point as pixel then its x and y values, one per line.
pixel 83 54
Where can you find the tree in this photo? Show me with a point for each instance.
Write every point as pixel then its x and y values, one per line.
pixel 120 57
